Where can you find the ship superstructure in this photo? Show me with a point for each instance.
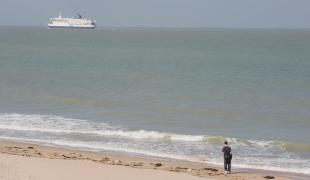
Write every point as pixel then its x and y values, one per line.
pixel 75 22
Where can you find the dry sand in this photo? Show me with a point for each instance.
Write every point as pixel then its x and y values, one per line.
pixel 34 162
pixel 24 168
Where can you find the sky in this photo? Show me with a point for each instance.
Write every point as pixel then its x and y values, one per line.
pixel 163 13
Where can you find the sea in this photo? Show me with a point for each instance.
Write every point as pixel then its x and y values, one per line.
pixel 161 92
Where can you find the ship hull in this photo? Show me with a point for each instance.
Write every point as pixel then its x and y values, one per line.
pixel 71 27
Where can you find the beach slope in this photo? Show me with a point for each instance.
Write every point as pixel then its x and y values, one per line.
pixel 22 161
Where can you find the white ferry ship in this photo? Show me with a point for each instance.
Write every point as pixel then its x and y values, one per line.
pixel 75 22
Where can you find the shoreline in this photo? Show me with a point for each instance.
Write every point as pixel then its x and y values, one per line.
pixel 193 169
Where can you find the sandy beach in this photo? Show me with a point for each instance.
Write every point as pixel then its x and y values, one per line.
pixel 29 161
pixel 16 167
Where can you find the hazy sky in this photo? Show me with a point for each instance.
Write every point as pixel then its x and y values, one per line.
pixel 163 13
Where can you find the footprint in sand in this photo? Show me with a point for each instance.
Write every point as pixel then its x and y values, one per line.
pixel 210 169
pixel 134 164
pixel 269 177
pixel 156 164
pixel 103 160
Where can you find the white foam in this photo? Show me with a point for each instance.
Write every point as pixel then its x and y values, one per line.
pixel 261 143
pixel 58 124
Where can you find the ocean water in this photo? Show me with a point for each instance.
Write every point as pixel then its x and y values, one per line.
pixel 170 93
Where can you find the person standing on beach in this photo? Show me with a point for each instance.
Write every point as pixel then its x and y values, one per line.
pixel 227 157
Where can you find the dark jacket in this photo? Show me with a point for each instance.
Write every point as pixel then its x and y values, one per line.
pixel 227 152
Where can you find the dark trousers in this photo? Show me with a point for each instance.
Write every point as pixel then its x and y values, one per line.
pixel 227 164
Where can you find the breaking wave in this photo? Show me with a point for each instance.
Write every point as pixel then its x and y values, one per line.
pixel 98 136
pixel 62 125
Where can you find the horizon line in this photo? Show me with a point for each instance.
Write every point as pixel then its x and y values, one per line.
pixel 172 27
